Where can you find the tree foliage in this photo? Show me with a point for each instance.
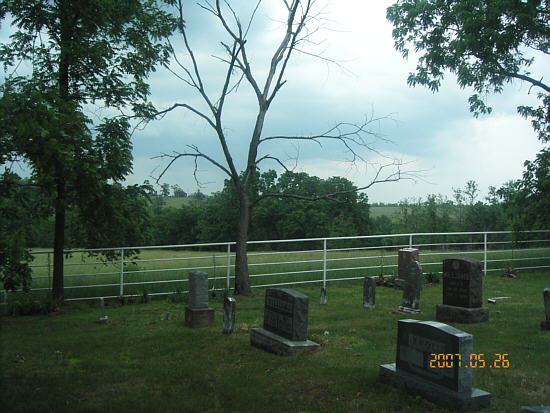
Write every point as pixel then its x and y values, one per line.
pixel 486 44
pixel 64 56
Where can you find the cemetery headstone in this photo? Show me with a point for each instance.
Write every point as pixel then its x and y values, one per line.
pixel 369 292
pixel 285 323
pixel 433 361
pixel 535 409
pixel 323 299
pixel 404 257
pixel 411 288
pixel 103 319
pixel 229 307
pixel 545 324
pixel 462 292
pixel 197 313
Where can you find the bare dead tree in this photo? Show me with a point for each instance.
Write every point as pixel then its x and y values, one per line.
pixel 302 21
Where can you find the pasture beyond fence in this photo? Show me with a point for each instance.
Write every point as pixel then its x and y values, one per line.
pixel 163 270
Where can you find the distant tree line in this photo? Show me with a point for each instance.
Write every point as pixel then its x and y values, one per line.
pixel 202 218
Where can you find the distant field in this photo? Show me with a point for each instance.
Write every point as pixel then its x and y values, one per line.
pixel 173 202
pixel 389 211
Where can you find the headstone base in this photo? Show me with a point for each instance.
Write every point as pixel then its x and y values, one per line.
pixel 535 409
pixel 476 400
pixel 409 310
pixel 198 317
pixel 545 324
pixel 453 314
pixel 104 319
pixel 274 343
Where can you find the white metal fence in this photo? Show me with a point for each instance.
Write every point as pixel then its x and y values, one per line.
pixel 162 270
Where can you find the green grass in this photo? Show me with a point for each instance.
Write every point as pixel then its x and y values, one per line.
pixel 141 362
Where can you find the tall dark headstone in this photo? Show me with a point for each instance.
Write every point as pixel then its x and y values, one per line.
pixel 418 368
pixel 411 288
pixel 285 323
pixel 229 307
pixel 545 324
pixel 369 292
pixel 404 257
pixel 462 292
pixel 197 313
pixel 323 298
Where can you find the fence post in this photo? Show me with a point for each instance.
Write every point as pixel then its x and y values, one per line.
pixel 485 253
pixel 325 263
pixel 228 264
pixel 49 273
pixel 121 272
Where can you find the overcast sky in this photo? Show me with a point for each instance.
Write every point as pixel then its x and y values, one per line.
pixel 436 133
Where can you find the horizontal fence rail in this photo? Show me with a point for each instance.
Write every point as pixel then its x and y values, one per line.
pixel 163 270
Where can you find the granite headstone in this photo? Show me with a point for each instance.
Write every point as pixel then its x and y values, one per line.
pixel 369 292
pixel 411 288
pixel 229 307
pixel 103 319
pixel 323 298
pixel 197 313
pixel 404 257
pixel 545 324
pixel 462 292
pixel 285 323
pixel 418 368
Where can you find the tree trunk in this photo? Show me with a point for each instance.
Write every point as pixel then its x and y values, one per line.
pixel 58 245
pixel 60 202
pixel 242 280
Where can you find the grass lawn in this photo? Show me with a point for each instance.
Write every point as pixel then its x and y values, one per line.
pixel 142 362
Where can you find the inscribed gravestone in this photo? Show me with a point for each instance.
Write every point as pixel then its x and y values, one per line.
pixel 545 324
pixel 418 344
pixel 369 292
pixel 285 323
pixel 462 292
pixel 229 307
pixel 198 289
pixel 411 288
pixel 404 257
pixel 197 313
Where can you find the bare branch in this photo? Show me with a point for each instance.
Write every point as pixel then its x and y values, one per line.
pixel 395 174
pixel 195 154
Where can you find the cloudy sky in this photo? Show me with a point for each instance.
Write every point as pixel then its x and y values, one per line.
pixel 432 133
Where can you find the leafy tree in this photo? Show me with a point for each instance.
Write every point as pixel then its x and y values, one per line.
pixel 486 44
pixel 79 53
pixel 165 189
